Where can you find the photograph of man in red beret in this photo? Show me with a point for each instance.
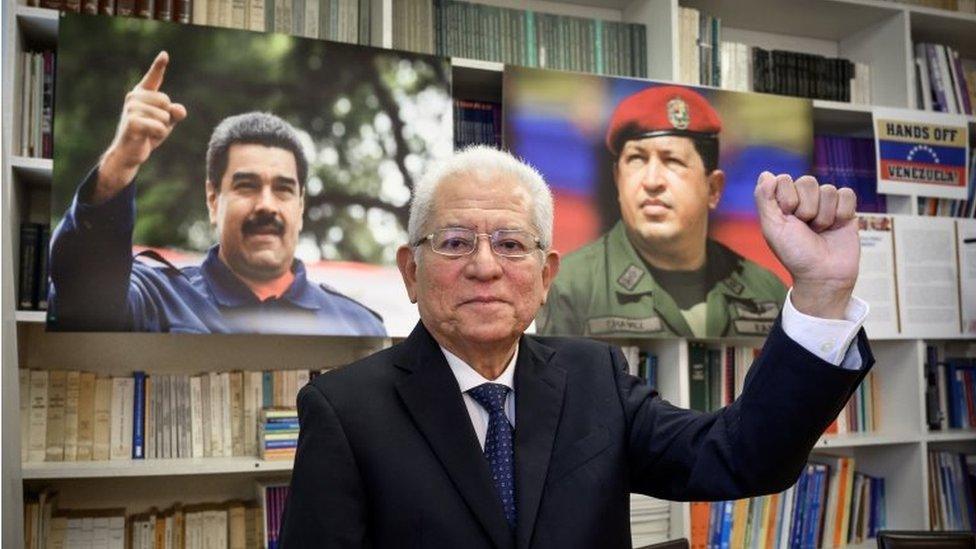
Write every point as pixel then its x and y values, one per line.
pixel 657 272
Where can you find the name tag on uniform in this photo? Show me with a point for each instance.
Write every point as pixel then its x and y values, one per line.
pixel 765 310
pixel 612 324
pixel 753 327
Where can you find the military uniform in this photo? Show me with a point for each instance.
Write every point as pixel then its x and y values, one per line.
pixel 98 286
pixel 605 289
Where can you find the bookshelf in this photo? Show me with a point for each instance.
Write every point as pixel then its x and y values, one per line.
pixel 877 32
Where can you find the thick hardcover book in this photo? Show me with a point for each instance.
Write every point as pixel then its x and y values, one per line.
pixel 698 372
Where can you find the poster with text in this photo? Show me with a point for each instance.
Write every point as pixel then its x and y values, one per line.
pixel 921 153
pixel 261 180
pixel 926 270
pixel 874 281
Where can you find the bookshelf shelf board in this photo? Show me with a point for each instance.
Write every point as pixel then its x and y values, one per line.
pixel 821 104
pixel 31 316
pixel 39 25
pixel 951 435
pixel 826 20
pixel 37 171
pixel 464 63
pixel 151 468
pixel 944 27
pixel 864 439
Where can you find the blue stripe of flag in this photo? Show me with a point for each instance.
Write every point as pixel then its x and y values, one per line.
pixel 898 150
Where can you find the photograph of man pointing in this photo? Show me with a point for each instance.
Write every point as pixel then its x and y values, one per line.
pixel 210 211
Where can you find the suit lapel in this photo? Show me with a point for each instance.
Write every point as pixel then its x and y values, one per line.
pixel 433 398
pixel 539 388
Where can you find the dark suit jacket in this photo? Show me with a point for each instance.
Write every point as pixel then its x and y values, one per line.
pixel 387 455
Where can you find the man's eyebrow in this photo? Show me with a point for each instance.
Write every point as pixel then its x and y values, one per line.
pixel 252 175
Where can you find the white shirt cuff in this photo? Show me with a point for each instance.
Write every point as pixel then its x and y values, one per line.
pixel 827 338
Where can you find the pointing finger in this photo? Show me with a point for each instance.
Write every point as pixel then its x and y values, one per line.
pixel 153 78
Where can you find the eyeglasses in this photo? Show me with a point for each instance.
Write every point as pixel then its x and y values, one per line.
pixel 458 242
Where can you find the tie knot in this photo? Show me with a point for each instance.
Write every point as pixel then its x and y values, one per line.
pixel 491 396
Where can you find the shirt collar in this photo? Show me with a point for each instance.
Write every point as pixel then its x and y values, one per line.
pixel 230 291
pixel 468 378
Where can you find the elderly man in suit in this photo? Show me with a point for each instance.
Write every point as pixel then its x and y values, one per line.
pixel 472 434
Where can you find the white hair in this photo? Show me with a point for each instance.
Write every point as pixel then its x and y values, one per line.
pixel 487 164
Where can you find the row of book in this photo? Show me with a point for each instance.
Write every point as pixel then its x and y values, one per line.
pixel 76 416
pixel 849 162
pixel 952 481
pixel 336 20
pixel 943 80
pixel 278 433
pixel 477 123
pixel 641 363
pixel 33 273
pixel 717 374
pixel 36 70
pixel 948 207
pixel 830 505
pixel 950 391
pixel 522 37
pixel 234 524
pixel 862 414
pixel 699 52
pixel 808 75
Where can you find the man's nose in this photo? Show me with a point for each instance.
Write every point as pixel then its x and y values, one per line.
pixel 483 263
pixel 266 199
pixel 654 178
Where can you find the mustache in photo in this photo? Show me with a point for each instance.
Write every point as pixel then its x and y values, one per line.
pixel 262 223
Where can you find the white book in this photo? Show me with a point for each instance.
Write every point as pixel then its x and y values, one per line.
pixel 253 395
pixel 950 55
pixel 149 419
pixel 216 416
pixel 57 390
pixel 255 15
pixel 311 29
pixel 99 538
pixel 238 14
pixel 186 435
pixel 179 449
pixel 196 417
pixel 71 415
pixel 123 391
pixel 943 69
pixel 166 417
pixel 205 415
pixel 226 435
pixel 116 532
pixel 37 445
pixel 924 87
pixel 199 14
pixel 23 381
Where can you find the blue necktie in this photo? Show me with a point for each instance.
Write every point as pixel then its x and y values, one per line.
pixel 499 444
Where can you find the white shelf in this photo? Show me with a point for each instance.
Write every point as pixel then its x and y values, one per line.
pixel 40 25
pixel 462 62
pixel 952 435
pixel 852 440
pixel 151 468
pixel 31 316
pixel 35 171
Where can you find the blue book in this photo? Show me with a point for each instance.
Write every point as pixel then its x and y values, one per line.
pixel 815 503
pixel 281 426
pixel 714 524
pixel 267 387
pixel 139 416
pixel 651 364
pixel 799 503
pixel 274 444
pixel 726 537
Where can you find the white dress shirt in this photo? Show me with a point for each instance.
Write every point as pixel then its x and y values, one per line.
pixel 828 339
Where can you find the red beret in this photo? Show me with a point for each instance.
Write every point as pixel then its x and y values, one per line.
pixel 662 110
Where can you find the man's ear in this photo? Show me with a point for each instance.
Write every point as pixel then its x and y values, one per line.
pixel 212 202
pixel 408 270
pixel 716 184
pixel 550 268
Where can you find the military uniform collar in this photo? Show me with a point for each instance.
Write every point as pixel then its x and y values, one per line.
pixel 229 291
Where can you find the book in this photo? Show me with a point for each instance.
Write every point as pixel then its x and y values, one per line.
pixel 37 440
pixel 102 426
pixel 123 389
pixel 57 395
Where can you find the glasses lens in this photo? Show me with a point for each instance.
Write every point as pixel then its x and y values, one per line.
pixel 453 241
pixel 512 243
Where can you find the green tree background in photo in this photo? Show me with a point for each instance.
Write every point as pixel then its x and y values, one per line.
pixel 371 121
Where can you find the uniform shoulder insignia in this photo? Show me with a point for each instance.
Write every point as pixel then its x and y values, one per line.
pixel 337 293
pixel 630 277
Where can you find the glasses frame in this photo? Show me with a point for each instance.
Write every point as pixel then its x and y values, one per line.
pixel 477 236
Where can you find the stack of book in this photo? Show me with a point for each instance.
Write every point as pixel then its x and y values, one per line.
pixel 641 363
pixel 272 498
pixel 950 391
pixel 336 20
pixel 32 283
pixel 952 479
pixel 278 433
pixel 527 38
pixel 699 53
pixel 717 374
pixel 477 123
pixel 76 416
pixel 36 92
pixel 849 162
pixel 650 520
pixel 829 506
pixel 809 75
pixel 862 414
pixel 943 80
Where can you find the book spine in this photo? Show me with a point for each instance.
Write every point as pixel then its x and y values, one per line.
pixel 29 250
pixel 138 415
